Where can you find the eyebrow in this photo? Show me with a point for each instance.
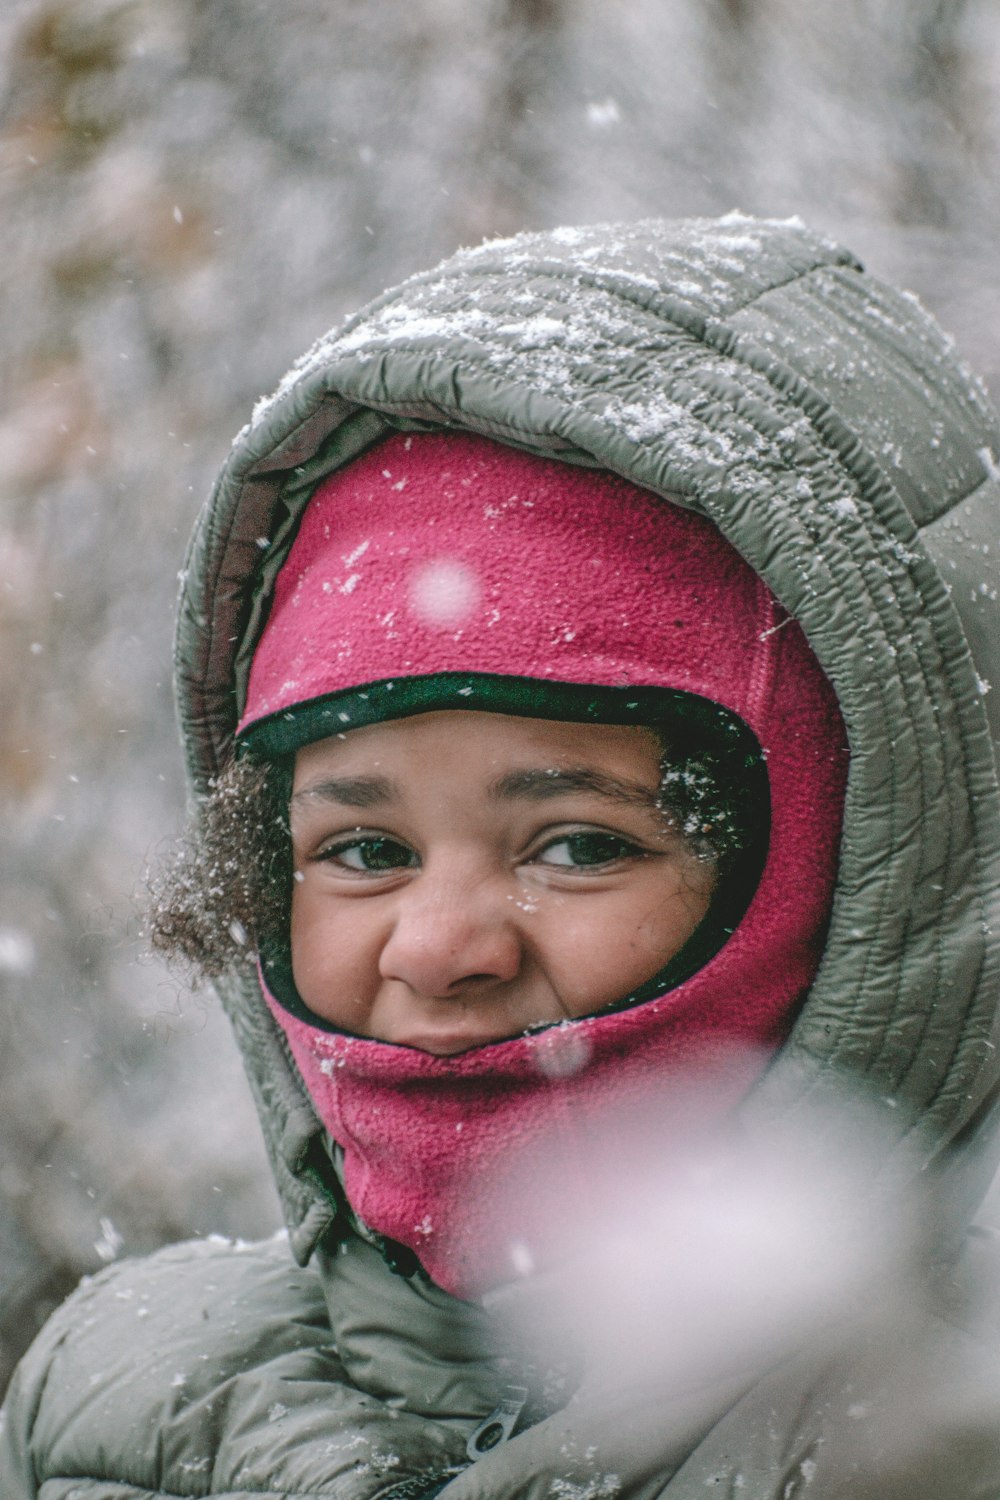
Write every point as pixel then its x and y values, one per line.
pixel 535 785
pixel 349 791
pixel 539 785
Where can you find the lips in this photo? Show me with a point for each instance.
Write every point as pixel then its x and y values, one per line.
pixel 448 1043
pixel 448 1025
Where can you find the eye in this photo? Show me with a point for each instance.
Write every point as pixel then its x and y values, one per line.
pixel 587 851
pixel 371 856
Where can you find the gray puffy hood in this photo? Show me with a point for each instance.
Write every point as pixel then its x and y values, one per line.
pixel 753 372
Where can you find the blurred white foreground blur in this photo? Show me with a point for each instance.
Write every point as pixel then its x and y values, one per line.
pixel 765 1292
pixel 701 1250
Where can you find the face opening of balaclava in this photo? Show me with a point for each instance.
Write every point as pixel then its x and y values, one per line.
pixel 443 570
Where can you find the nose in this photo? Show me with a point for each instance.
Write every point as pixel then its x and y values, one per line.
pixel 451 936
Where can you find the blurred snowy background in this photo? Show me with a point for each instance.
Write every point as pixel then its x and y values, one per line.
pixel 191 191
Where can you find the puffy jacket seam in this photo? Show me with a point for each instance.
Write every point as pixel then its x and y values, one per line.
pixel 898 988
pixel 962 1032
pixel 938 934
pixel 945 515
pixel 967 779
pixel 917 1049
pixel 935 521
pixel 598 283
pixel 695 326
pixel 483 365
pixel 854 604
pixel 867 596
pixel 820 269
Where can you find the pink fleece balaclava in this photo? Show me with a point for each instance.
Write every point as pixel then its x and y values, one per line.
pixel 441 568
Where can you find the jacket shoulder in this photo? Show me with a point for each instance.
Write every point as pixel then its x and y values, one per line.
pixel 208 1368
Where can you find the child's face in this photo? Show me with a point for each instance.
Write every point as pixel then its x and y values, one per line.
pixel 461 877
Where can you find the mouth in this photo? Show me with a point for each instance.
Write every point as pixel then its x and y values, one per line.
pixel 449 1042
pixel 446 1028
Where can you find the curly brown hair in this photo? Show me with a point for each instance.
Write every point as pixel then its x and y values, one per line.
pixel 224 891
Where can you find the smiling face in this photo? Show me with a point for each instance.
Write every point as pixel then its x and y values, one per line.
pixel 461 877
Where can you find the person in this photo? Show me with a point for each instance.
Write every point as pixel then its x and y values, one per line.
pixel 584 669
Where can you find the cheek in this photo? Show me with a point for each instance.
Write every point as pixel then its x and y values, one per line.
pixel 307 945
pixel 675 916
pixel 303 917
pixel 332 955
pixel 610 944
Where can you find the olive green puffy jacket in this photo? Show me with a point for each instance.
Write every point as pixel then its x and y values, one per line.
pixel 753 372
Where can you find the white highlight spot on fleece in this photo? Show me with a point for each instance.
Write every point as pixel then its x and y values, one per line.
pixel 443 592
pixel 560 1052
